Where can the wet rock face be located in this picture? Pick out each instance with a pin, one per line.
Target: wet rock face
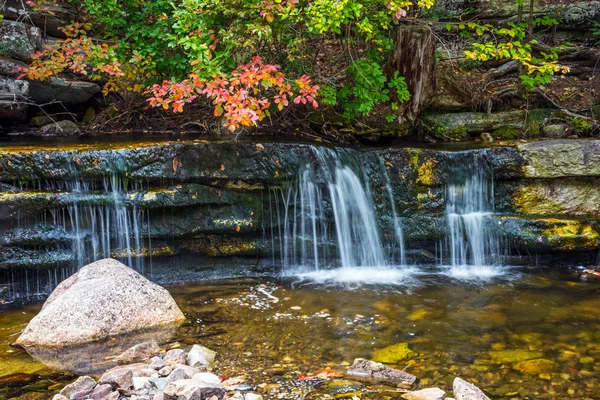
(101, 299)
(217, 202)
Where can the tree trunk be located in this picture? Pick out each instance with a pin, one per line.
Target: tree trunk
(414, 59)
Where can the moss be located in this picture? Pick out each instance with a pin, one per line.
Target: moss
(426, 173)
(513, 355)
(582, 127)
(506, 133)
(571, 235)
(394, 354)
(536, 367)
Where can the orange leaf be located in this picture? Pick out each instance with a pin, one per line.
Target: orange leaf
(176, 164)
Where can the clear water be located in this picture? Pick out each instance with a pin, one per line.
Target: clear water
(288, 332)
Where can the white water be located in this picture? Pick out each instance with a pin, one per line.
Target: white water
(329, 218)
(473, 248)
(354, 277)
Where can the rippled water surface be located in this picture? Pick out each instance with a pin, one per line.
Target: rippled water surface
(516, 333)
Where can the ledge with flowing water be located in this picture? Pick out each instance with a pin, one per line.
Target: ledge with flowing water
(222, 207)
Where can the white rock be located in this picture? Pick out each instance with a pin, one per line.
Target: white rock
(207, 377)
(102, 299)
(426, 394)
(175, 356)
(253, 396)
(200, 356)
(190, 389)
(189, 371)
(464, 390)
(140, 381)
(157, 363)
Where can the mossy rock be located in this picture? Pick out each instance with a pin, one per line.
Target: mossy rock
(513, 355)
(506, 133)
(536, 366)
(394, 354)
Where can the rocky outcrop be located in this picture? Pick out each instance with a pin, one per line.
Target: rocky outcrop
(218, 202)
(464, 390)
(67, 92)
(102, 299)
(49, 20)
(19, 40)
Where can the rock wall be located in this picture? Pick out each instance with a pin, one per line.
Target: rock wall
(204, 205)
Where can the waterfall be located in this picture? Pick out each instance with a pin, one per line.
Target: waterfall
(329, 216)
(470, 243)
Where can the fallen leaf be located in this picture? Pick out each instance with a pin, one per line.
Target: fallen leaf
(222, 167)
(259, 146)
(389, 164)
(237, 228)
(176, 164)
(47, 157)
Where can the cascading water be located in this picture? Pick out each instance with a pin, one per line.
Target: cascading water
(472, 247)
(329, 217)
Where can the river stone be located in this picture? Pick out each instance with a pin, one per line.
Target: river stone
(139, 352)
(157, 363)
(175, 356)
(59, 397)
(464, 390)
(536, 367)
(118, 378)
(62, 90)
(253, 396)
(60, 128)
(165, 371)
(82, 384)
(363, 369)
(176, 375)
(100, 392)
(200, 356)
(556, 131)
(192, 390)
(207, 377)
(394, 354)
(189, 371)
(426, 394)
(102, 299)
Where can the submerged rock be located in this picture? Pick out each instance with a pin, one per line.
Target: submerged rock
(394, 354)
(102, 299)
(139, 352)
(363, 369)
(464, 390)
(536, 367)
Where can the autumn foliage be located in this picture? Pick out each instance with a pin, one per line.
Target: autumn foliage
(243, 98)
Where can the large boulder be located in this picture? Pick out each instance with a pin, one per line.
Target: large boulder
(65, 91)
(19, 40)
(102, 299)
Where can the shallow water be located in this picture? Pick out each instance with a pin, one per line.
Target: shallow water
(485, 329)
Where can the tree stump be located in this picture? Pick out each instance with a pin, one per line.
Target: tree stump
(414, 59)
